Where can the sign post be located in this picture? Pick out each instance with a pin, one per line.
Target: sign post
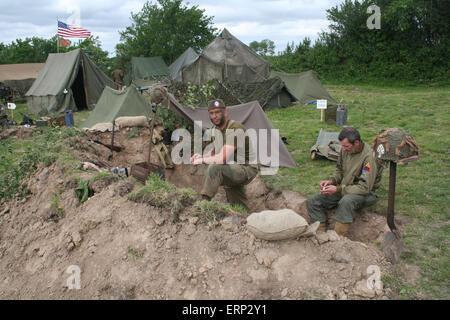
(322, 106)
(11, 106)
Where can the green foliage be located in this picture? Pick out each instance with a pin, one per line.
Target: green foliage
(210, 211)
(20, 158)
(165, 28)
(265, 47)
(37, 50)
(199, 95)
(135, 253)
(82, 191)
(171, 120)
(54, 204)
(160, 193)
(352, 52)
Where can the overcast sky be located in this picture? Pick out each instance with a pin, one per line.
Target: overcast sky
(282, 21)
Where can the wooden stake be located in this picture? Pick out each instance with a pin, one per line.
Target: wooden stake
(322, 112)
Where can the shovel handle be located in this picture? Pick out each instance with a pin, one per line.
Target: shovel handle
(152, 126)
(391, 198)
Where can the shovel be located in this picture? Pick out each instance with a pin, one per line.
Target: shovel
(141, 170)
(392, 245)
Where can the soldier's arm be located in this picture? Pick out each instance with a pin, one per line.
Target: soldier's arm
(365, 180)
(225, 153)
(336, 178)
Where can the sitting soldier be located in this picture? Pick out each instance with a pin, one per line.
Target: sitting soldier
(220, 172)
(351, 187)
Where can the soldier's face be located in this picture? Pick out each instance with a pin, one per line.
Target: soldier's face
(217, 116)
(350, 147)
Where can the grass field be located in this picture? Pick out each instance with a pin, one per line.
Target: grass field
(422, 190)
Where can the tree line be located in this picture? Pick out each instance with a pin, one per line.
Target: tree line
(412, 42)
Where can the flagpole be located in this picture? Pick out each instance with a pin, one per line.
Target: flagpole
(57, 36)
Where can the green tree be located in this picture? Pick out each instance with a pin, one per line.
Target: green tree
(264, 47)
(165, 28)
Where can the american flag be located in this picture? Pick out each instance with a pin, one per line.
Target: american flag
(70, 31)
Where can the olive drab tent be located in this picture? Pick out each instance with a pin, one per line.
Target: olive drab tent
(305, 86)
(20, 76)
(68, 81)
(146, 68)
(252, 116)
(226, 58)
(187, 58)
(113, 104)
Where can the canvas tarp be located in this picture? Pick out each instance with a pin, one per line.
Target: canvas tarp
(146, 68)
(20, 71)
(327, 145)
(271, 93)
(305, 86)
(226, 57)
(113, 104)
(188, 57)
(68, 81)
(20, 76)
(251, 115)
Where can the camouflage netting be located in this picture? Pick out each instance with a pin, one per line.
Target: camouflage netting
(395, 145)
(270, 94)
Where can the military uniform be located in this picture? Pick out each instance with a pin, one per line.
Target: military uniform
(232, 176)
(357, 175)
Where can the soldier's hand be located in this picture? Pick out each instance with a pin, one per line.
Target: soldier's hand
(324, 183)
(329, 189)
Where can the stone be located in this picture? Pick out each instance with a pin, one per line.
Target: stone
(341, 257)
(76, 239)
(227, 224)
(265, 256)
(361, 289)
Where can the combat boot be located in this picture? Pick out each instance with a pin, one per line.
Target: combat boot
(322, 227)
(341, 228)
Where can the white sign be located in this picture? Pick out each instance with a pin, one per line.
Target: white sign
(11, 106)
(321, 104)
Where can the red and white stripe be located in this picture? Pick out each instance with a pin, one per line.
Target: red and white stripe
(74, 32)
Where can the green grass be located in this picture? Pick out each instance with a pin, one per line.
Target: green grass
(422, 189)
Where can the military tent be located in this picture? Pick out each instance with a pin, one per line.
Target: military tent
(226, 58)
(251, 115)
(271, 93)
(20, 76)
(68, 81)
(187, 58)
(305, 86)
(145, 68)
(113, 104)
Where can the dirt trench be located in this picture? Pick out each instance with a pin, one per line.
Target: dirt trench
(128, 250)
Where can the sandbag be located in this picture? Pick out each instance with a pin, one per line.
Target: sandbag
(276, 224)
(138, 121)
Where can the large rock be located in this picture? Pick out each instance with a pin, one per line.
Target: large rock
(276, 224)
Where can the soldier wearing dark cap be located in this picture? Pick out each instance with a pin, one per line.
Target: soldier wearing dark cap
(231, 167)
(351, 187)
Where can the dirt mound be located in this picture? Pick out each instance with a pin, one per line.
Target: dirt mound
(131, 250)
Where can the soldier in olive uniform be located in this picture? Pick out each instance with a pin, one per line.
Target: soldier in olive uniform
(117, 76)
(351, 187)
(230, 167)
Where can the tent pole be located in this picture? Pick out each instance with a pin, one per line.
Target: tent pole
(84, 82)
